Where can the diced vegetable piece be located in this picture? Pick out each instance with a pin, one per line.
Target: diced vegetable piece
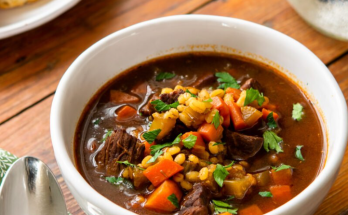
(117, 96)
(250, 115)
(125, 113)
(209, 133)
(199, 145)
(241, 100)
(271, 107)
(262, 178)
(281, 194)
(282, 177)
(239, 187)
(161, 171)
(221, 106)
(191, 118)
(236, 115)
(158, 200)
(251, 210)
(235, 93)
(159, 122)
(266, 112)
(147, 148)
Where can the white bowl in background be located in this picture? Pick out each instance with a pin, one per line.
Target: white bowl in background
(138, 43)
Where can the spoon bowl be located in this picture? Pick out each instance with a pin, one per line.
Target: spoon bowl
(30, 187)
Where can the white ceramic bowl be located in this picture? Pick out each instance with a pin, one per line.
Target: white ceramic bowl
(143, 41)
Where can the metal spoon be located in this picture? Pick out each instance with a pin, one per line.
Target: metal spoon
(30, 187)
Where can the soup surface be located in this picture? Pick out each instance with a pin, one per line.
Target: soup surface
(200, 133)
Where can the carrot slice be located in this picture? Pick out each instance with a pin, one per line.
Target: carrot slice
(282, 177)
(126, 113)
(251, 210)
(161, 171)
(147, 148)
(281, 194)
(117, 96)
(158, 200)
(235, 93)
(266, 112)
(209, 133)
(199, 145)
(236, 115)
(225, 213)
(221, 106)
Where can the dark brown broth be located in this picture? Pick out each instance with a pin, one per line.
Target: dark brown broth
(188, 68)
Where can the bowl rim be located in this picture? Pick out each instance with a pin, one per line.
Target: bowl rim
(70, 172)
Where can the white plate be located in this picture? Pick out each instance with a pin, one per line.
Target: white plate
(17, 20)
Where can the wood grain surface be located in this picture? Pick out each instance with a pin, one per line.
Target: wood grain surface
(32, 64)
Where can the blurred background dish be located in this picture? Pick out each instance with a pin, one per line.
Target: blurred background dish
(20, 19)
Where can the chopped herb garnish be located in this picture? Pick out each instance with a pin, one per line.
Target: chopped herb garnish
(271, 122)
(119, 180)
(108, 133)
(272, 141)
(208, 100)
(265, 194)
(130, 164)
(208, 162)
(190, 141)
(161, 106)
(298, 153)
(155, 148)
(140, 114)
(192, 95)
(229, 198)
(229, 165)
(172, 198)
(220, 143)
(221, 207)
(154, 158)
(96, 122)
(164, 75)
(220, 173)
(281, 167)
(226, 80)
(216, 120)
(297, 111)
(150, 136)
(252, 95)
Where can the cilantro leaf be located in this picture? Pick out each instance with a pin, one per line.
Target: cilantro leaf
(221, 143)
(226, 80)
(164, 75)
(192, 95)
(265, 194)
(108, 134)
(96, 121)
(177, 139)
(216, 120)
(150, 136)
(130, 164)
(220, 173)
(297, 111)
(155, 148)
(298, 153)
(252, 95)
(154, 158)
(190, 141)
(208, 100)
(174, 200)
(221, 207)
(120, 181)
(272, 141)
(281, 167)
(270, 121)
(229, 165)
(161, 106)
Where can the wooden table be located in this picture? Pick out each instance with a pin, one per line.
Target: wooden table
(32, 64)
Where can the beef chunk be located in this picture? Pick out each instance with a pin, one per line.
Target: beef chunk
(206, 80)
(251, 83)
(148, 109)
(240, 146)
(119, 146)
(172, 97)
(196, 202)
